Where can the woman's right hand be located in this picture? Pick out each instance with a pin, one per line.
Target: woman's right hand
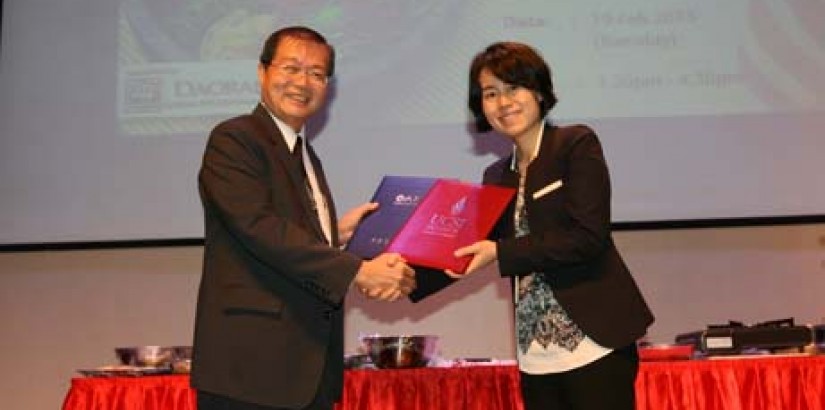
(483, 252)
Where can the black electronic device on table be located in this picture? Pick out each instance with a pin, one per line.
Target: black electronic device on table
(737, 338)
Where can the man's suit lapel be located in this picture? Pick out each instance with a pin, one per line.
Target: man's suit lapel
(293, 171)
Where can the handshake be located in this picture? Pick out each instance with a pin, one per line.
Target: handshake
(387, 277)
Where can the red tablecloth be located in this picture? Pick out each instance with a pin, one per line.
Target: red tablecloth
(778, 383)
(786, 383)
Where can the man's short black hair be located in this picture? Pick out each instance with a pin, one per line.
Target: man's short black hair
(299, 32)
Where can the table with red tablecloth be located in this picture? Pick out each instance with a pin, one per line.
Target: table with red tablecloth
(769, 383)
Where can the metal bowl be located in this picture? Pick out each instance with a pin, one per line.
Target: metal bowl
(146, 356)
(400, 352)
(182, 359)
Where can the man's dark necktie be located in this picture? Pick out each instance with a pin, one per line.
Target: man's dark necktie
(298, 155)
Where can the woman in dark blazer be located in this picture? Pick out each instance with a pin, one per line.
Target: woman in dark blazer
(578, 310)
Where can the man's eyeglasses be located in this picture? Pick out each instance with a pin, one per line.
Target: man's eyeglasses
(314, 74)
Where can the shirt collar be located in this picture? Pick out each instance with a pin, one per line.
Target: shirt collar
(289, 135)
(513, 164)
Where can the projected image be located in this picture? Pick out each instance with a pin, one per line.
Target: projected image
(184, 64)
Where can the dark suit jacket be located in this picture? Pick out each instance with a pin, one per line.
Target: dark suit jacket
(570, 238)
(269, 312)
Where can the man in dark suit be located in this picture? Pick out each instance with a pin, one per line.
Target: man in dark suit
(269, 320)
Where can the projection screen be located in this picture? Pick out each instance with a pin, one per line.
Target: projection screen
(706, 110)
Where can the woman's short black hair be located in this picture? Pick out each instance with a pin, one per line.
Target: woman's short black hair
(270, 48)
(516, 64)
